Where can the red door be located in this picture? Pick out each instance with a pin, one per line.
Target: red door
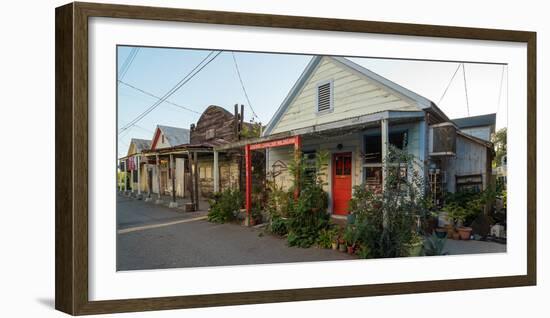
(341, 182)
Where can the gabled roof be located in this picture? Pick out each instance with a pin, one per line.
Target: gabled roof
(141, 144)
(476, 121)
(173, 135)
(422, 102)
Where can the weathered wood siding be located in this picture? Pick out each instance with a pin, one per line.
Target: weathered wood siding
(229, 175)
(471, 158)
(354, 95)
(214, 123)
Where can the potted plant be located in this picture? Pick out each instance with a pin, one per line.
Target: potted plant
(414, 246)
(350, 238)
(341, 244)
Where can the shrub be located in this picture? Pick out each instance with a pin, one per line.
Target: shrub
(326, 237)
(385, 222)
(225, 206)
(278, 226)
(308, 214)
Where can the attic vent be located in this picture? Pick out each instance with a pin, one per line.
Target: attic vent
(324, 97)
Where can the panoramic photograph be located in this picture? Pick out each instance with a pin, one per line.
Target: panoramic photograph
(231, 158)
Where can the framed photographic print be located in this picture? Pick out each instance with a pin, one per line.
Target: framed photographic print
(210, 158)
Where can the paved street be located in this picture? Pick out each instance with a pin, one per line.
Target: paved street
(152, 236)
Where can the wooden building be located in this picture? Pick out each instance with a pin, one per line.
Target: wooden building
(342, 108)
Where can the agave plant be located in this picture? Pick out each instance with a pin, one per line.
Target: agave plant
(434, 246)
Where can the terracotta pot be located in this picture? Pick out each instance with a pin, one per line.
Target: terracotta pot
(350, 250)
(455, 235)
(464, 232)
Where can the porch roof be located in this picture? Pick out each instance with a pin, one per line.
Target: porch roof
(345, 125)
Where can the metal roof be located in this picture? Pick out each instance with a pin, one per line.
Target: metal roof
(175, 135)
(141, 144)
(476, 121)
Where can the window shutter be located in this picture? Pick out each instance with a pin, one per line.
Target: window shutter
(324, 97)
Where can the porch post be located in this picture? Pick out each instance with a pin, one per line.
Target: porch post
(139, 177)
(297, 158)
(149, 181)
(159, 200)
(125, 186)
(248, 183)
(384, 133)
(216, 173)
(131, 179)
(196, 181)
(173, 204)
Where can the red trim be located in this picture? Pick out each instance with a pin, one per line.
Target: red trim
(274, 143)
(155, 139)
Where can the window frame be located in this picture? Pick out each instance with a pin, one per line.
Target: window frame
(331, 99)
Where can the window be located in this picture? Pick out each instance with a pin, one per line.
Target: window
(310, 170)
(324, 96)
(162, 138)
(373, 145)
(372, 163)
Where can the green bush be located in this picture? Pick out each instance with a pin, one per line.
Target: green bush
(278, 226)
(386, 222)
(225, 206)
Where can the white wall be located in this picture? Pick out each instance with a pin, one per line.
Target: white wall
(28, 278)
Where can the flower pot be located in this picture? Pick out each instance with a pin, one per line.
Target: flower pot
(414, 249)
(350, 250)
(441, 233)
(342, 248)
(334, 245)
(464, 232)
(455, 235)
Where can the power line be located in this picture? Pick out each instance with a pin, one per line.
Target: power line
(466, 89)
(128, 62)
(158, 98)
(242, 85)
(174, 89)
(449, 85)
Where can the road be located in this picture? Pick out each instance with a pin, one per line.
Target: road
(154, 237)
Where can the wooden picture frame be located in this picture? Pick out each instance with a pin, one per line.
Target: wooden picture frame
(71, 167)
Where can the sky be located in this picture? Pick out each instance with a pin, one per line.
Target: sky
(267, 79)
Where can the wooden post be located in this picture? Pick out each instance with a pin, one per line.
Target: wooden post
(196, 181)
(139, 176)
(159, 199)
(191, 179)
(385, 138)
(132, 179)
(173, 204)
(248, 170)
(216, 172)
(125, 175)
(149, 181)
(297, 159)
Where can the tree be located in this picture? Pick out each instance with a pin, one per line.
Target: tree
(499, 140)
